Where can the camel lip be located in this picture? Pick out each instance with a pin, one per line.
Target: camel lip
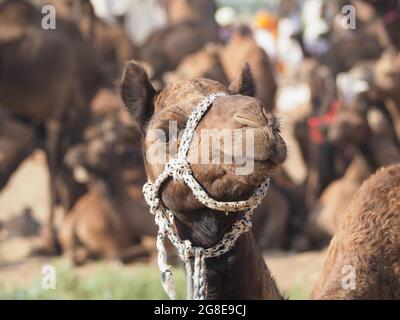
(272, 161)
(268, 164)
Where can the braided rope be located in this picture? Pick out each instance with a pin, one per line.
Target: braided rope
(180, 170)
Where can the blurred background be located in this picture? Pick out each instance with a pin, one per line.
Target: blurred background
(71, 169)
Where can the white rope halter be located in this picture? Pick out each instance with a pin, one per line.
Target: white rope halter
(180, 170)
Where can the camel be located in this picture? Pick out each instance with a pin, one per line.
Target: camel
(348, 46)
(326, 214)
(110, 44)
(199, 10)
(243, 48)
(360, 131)
(386, 73)
(166, 48)
(369, 132)
(111, 220)
(366, 244)
(386, 70)
(204, 63)
(226, 276)
(17, 141)
(221, 64)
(191, 26)
(310, 131)
(388, 11)
(55, 106)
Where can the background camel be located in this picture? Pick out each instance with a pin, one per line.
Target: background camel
(109, 42)
(364, 122)
(359, 133)
(384, 9)
(112, 219)
(56, 106)
(17, 141)
(204, 63)
(198, 10)
(310, 130)
(326, 214)
(243, 48)
(191, 26)
(223, 63)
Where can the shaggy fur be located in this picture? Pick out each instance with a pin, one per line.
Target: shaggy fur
(368, 239)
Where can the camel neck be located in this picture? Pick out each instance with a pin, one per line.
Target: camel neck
(239, 274)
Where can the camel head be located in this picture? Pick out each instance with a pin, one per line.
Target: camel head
(237, 112)
(387, 74)
(109, 145)
(357, 117)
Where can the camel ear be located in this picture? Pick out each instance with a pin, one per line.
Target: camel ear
(137, 93)
(244, 83)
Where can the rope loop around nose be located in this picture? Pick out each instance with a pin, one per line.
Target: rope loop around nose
(178, 169)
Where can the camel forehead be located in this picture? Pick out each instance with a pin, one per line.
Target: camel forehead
(187, 92)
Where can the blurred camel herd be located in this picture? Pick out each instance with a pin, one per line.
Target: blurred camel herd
(51, 85)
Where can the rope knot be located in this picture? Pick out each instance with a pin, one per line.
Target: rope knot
(187, 250)
(178, 169)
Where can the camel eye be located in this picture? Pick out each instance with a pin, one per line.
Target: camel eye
(163, 135)
(167, 132)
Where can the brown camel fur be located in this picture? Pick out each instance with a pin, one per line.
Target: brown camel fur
(17, 141)
(111, 45)
(386, 73)
(243, 48)
(241, 273)
(367, 237)
(392, 26)
(271, 218)
(167, 47)
(320, 156)
(325, 216)
(370, 132)
(112, 219)
(198, 10)
(204, 63)
(348, 46)
(55, 105)
(368, 240)
(191, 25)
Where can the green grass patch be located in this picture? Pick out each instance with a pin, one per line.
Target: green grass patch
(104, 281)
(141, 282)
(298, 292)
